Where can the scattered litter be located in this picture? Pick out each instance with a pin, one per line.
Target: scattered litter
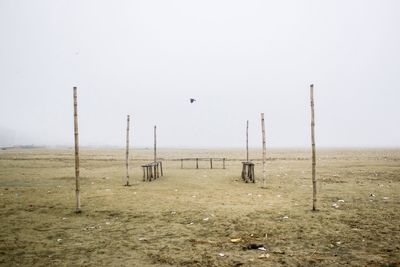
(262, 249)
(254, 246)
(266, 236)
(335, 205)
(285, 217)
(206, 219)
(108, 223)
(173, 212)
(385, 198)
(372, 195)
(264, 256)
(142, 239)
(236, 240)
(221, 254)
(59, 240)
(341, 200)
(64, 218)
(191, 223)
(338, 243)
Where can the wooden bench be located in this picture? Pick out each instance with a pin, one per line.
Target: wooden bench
(152, 171)
(248, 172)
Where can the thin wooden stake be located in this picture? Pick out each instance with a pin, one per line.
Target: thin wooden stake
(247, 141)
(314, 162)
(155, 143)
(127, 151)
(263, 150)
(77, 182)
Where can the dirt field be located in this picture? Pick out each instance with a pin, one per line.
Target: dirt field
(190, 217)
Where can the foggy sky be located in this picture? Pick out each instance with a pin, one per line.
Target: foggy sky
(237, 58)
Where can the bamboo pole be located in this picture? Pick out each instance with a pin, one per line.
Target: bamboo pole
(127, 151)
(77, 182)
(263, 150)
(247, 141)
(155, 143)
(314, 163)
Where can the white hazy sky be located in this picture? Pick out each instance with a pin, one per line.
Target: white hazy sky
(237, 58)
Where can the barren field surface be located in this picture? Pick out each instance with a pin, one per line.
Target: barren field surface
(200, 217)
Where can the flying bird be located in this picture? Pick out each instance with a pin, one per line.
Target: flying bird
(192, 100)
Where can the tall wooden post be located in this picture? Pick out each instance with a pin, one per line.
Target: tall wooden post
(127, 151)
(77, 182)
(247, 141)
(155, 143)
(314, 163)
(263, 150)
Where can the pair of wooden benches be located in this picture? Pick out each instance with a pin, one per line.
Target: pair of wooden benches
(152, 171)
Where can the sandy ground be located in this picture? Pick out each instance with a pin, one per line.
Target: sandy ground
(190, 217)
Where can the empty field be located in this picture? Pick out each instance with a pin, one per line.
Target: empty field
(190, 216)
